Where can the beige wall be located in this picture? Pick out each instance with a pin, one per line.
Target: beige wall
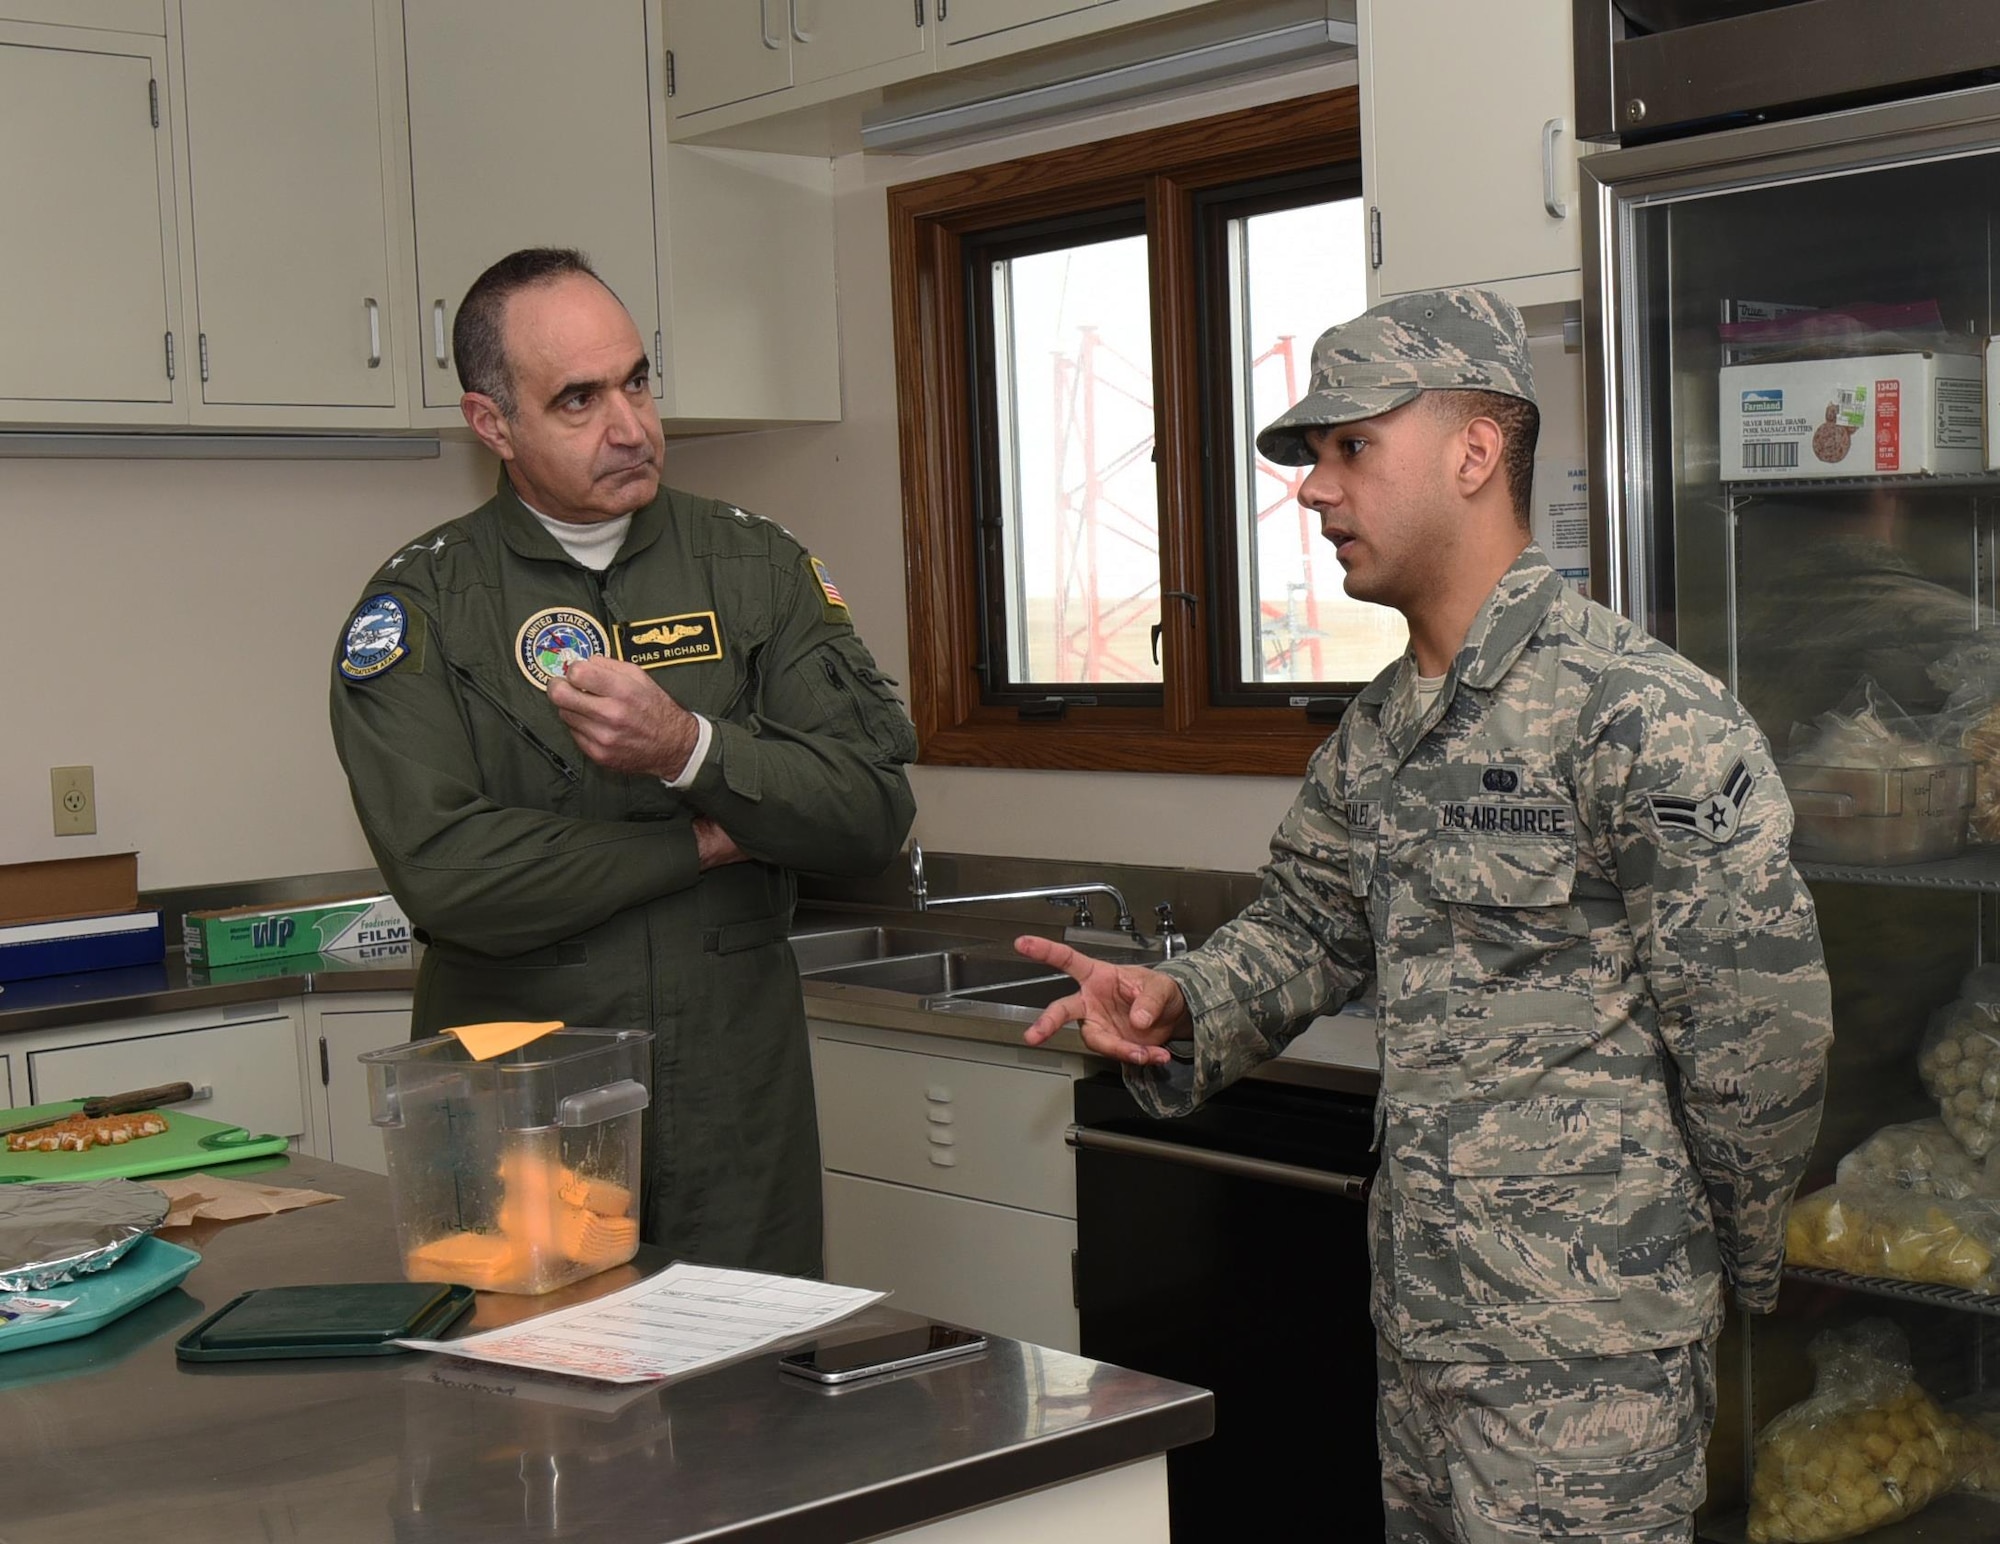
(838, 488)
(170, 623)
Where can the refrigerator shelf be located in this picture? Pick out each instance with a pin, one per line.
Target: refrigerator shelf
(1955, 1518)
(1940, 482)
(1928, 1293)
(1977, 868)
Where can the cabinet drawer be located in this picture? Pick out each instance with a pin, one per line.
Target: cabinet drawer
(253, 1068)
(969, 1128)
(991, 1267)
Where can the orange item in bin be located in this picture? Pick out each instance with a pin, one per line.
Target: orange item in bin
(598, 1242)
(482, 1260)
(605, 1197)
(483, 1042)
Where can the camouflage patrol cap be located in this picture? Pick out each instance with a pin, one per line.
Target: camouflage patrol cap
(1439, 340)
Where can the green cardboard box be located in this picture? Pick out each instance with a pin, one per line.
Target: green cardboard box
(243, 933)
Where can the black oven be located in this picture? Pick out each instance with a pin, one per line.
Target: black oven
(1229, 1249)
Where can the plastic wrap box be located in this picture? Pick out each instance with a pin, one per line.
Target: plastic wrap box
(243, 933)
(1880, 415)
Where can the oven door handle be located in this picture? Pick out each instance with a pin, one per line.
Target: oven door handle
(1349, 1187)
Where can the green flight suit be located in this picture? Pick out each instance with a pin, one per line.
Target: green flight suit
(546, 887)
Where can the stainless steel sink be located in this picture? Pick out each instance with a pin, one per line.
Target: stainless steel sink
(941, 974)
(1019, 994)
(820, 952)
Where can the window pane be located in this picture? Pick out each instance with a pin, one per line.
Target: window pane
(1080, 519)
(1294, 273)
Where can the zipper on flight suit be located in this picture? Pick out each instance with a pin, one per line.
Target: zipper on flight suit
(520, 725)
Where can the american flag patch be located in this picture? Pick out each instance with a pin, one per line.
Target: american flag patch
(1713, 815)
(826, 584)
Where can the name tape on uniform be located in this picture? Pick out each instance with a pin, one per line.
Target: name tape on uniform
(659, 642)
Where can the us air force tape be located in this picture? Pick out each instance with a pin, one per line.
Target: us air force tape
(381, 634)
(550, 641)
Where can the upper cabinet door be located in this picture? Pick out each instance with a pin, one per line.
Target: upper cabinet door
(838, 37)
(961, 21)
(86, 226)
(530, 125)
(727, 52)
(1468, 159)
(291, 243)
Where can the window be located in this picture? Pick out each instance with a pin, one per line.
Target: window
(1103, 572)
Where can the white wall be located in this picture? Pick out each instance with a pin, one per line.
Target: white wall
(838, 488)
(172, 623)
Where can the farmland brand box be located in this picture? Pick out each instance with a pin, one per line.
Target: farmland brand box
(30, 950)
(58, 889)
(243, 933)
(1882, 415)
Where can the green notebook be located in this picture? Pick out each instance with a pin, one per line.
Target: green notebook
(363, 1318)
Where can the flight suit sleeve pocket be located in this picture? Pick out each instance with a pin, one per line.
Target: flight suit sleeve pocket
(857, 693)
(1534, 1188)
(1515, 874)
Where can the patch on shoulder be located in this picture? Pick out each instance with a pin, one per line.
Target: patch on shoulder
(380, 636)
(835, 606)
(1714, 816)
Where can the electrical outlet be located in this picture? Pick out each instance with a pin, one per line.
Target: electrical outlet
(73, 796)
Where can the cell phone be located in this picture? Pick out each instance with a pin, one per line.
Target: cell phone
(852, 1359)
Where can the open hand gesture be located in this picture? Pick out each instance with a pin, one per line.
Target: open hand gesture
(1126, 1012)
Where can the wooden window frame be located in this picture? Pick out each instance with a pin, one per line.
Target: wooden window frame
(928, 221)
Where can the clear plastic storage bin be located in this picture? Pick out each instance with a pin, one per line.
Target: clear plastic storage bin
(520, 1173)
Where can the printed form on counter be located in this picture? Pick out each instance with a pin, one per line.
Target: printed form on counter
(685, 1319)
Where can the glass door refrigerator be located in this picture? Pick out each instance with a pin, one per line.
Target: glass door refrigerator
(1793, 458)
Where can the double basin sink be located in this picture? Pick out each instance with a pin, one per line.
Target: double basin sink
(948, 972)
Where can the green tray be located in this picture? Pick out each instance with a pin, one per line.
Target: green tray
(147, 1269)
(189, 1142)
(364, 1318)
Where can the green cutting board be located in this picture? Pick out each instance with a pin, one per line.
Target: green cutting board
(189, 1142)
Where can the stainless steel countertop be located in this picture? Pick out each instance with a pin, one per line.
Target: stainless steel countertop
(109, 1436)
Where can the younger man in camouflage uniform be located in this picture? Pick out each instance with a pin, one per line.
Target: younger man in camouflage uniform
(1557, 852)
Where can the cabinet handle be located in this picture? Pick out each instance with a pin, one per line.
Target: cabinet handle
(374, 334)
(1552, 200)
(201, 345)
(798, 33)
(920, 12)
(1349, 1187)
(437, 332)
(941, 4)
(772, 41)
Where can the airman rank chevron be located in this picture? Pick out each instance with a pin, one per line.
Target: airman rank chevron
(1713, 815)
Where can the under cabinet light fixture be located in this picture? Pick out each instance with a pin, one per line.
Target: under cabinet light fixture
(95, 446)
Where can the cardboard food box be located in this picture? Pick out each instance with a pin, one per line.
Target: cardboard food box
(1882, 415)
(29, 950)
(59, 889)
(241, 933)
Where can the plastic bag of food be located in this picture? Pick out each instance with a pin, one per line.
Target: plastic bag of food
(1959, 1061)
(1876, 1230)
(1870, 729)
(1979, 1443)
(1923, 1156)
(1868, 1447)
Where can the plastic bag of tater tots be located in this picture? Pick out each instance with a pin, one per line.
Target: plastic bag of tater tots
(1960, 1061)
(1867, 1448)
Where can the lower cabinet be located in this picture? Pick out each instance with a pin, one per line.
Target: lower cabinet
(6, 1080)
(339, 1028)
(244, 1064)
(947, 1178)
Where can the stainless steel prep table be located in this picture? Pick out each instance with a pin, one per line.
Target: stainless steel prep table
(111, 1435)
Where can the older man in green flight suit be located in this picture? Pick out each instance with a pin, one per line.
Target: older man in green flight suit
(593, 729)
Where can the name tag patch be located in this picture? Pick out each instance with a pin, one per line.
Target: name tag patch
(1364, 814)
(1505, 819)
(661, 641)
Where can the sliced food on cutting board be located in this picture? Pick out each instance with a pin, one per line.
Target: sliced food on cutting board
(79, 1133)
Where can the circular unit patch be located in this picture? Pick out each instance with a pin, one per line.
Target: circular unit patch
(551, 641)
(376, 638)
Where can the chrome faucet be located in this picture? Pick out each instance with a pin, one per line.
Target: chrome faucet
(1081, 928)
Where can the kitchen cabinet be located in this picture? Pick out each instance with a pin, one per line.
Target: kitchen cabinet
(730, 53)
(1468, 161)
(244, 1063)
(966, 21)
(530, 125)
(289, 241)
(91, 308)
(947, 1177)
(339, 1027)
(7, 1080)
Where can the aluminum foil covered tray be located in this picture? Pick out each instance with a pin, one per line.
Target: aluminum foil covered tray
(54, 1233)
